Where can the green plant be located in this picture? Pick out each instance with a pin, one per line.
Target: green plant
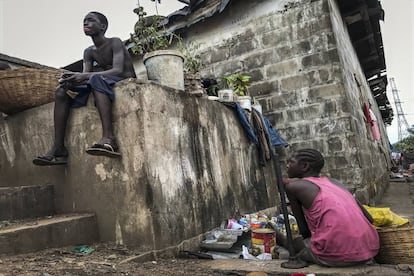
(192, 58)
(149, 35)
(405, 144)
(239, 83)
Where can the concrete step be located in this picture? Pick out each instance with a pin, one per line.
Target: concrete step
(26, 202)
(57, 231)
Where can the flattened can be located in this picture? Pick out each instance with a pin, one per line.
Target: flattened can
(263, 241)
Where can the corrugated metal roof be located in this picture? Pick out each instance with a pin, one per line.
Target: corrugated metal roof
(362, 18)
(22, 62)
(197, 11)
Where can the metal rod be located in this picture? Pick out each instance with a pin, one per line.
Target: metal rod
(293, 262)
(281, 189)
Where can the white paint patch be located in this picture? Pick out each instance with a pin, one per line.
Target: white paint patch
(137, 157)
(7, 144)
(82, 134)
(125, 177)
(101, 172)
(167, 170)
(187, 169)
(118, 234)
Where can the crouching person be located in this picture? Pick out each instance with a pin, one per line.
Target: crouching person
(336, 231)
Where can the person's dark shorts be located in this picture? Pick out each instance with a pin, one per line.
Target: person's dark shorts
(99, 83)
(306, 254)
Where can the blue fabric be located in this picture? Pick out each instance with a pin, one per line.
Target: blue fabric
(246, 124)
(274, 138)
(98, 83)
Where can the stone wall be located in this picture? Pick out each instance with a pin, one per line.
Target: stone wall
(308, 79)
(369, 158)
(186, 165)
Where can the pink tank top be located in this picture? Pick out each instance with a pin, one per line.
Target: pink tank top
(340, 231)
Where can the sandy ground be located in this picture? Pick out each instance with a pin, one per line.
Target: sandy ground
(109, 259)
(105, 259)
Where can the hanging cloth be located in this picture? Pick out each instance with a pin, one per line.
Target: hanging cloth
(372, 120)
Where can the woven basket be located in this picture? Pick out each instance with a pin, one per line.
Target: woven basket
(24, 88)
(397, 245)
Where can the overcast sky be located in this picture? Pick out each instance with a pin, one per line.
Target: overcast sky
(398, 36)
(50, 32)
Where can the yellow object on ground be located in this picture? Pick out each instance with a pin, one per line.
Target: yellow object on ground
(385, 217)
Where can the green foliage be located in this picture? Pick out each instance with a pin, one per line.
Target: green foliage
(192, 58)
(239, 83)
(405, 144)
(149, 35)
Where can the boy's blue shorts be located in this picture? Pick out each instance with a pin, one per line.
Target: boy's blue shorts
(103, 84)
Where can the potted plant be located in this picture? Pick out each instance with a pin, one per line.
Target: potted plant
(239, 84)
(151, 39)
(192, 63)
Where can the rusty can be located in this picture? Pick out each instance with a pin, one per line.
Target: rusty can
(263, 241)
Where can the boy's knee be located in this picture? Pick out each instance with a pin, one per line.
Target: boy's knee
(60, 94)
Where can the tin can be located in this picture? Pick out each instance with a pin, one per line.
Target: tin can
(225, 95)
(263, 241)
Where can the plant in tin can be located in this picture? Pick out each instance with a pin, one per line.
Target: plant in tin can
(192, 58)
(149, 34)
(239, 83)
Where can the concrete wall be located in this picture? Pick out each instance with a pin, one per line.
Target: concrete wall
(187, 165)
(365, 153)
(304, 73)
(186, 162)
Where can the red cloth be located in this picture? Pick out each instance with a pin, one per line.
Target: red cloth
(372, 120)
(367, 114)
(340, 231)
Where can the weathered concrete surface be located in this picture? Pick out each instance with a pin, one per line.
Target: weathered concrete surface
(186, 166)
(134, 262)
(49, 233)
(240, 267)
(26, 202)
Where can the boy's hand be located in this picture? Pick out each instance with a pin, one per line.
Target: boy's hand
(73, 78)
(63, 81)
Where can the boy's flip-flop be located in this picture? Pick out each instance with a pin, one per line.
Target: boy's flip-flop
(103, 150)
(49, 160)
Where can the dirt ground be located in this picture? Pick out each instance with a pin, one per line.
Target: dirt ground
(109, 259)
(105, 259)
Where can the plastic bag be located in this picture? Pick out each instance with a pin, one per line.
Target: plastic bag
(385, 217)
(248, 256)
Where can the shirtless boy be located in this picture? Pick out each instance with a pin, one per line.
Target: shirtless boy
(114, 64)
